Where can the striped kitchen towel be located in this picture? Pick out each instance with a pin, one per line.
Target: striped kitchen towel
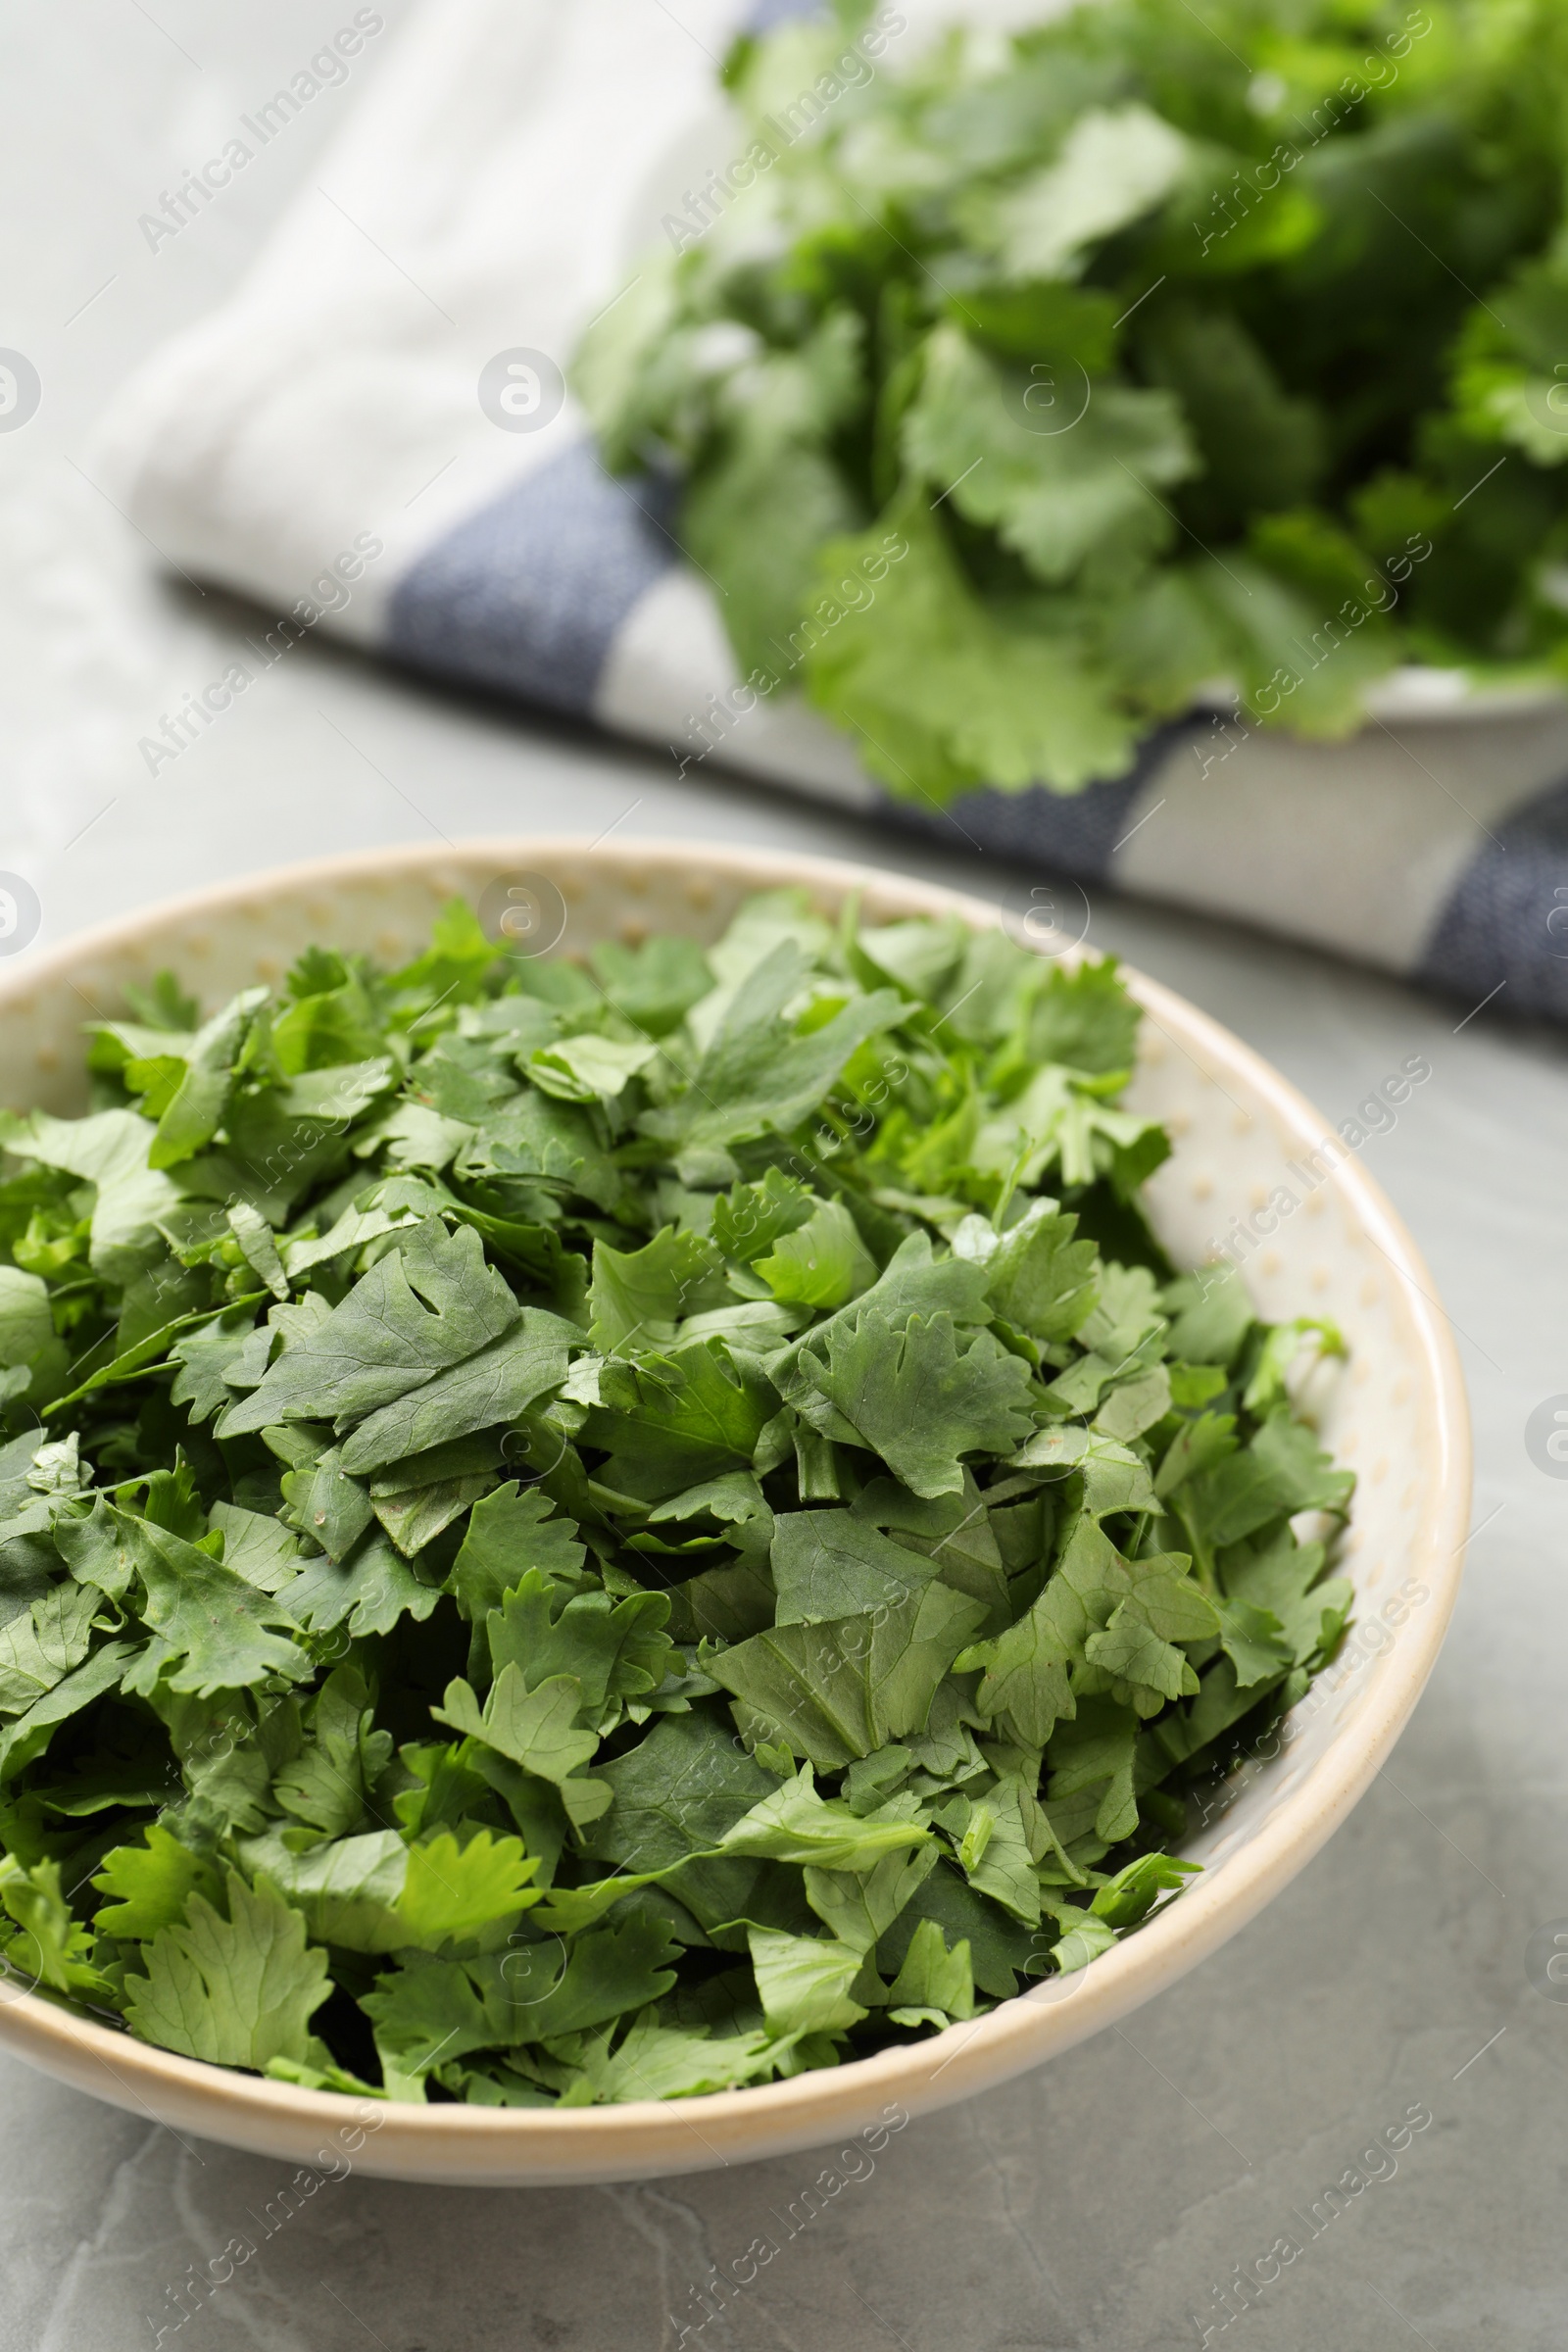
(373, 436)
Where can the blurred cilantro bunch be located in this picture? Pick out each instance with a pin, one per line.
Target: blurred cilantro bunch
(1020, 388)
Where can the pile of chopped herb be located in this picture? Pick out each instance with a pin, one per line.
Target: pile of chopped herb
(608, 1530)
(1020, 388)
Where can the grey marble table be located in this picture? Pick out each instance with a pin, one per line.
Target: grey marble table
(1099, 2204)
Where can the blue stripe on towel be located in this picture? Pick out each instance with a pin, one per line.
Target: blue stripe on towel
(764, 15)
(1069, 834)
(1506, 918)
(528, 595)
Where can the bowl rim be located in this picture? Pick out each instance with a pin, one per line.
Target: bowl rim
(1436, 693)
(457, 2141)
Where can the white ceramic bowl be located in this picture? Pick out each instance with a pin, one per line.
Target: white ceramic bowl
(1396, 1413)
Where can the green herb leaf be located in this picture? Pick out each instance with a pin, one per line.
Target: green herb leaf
(920, 1398)
(424, 1306)
(236, 1991)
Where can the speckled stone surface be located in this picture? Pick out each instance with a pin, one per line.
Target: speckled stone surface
(1096, 2206)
